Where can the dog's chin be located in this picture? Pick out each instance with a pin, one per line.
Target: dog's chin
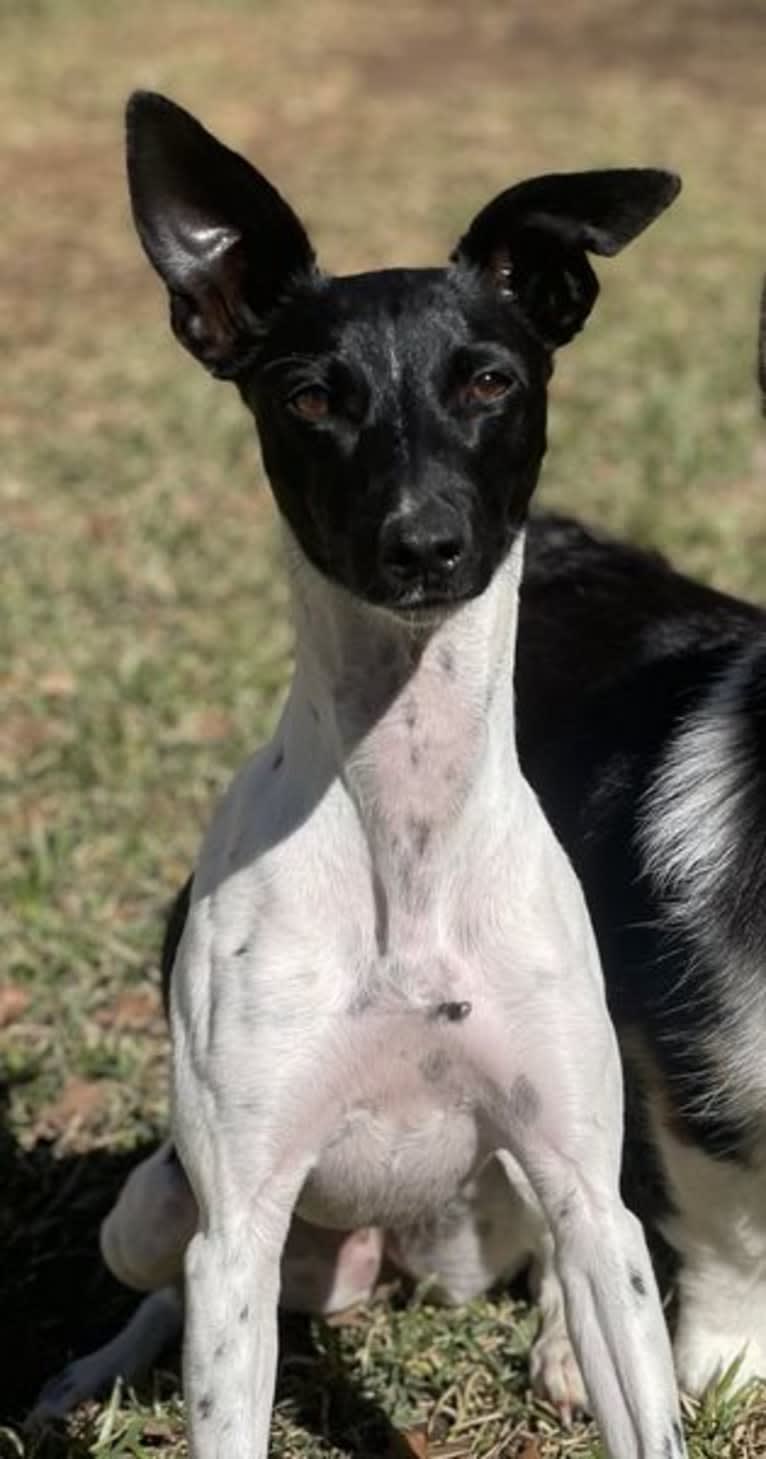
(421, 606)
(421, 603)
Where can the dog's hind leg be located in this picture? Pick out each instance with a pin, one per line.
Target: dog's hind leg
(553, 1367)
(326, 1271)
(143, 1241)
(154, 1325)
(489, 1233)
(145, 1235)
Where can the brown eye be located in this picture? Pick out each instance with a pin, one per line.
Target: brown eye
(311, 405)
(487, 387)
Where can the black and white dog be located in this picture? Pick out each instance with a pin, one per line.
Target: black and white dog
(652, 770)
(387, 997)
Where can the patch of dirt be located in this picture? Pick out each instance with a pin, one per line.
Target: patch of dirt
(14, 1001)
(134, 1010)
(80, 1109)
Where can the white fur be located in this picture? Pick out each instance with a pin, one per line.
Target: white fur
(380, 860)
(691, 838)
(697, 790)
(718, 1228)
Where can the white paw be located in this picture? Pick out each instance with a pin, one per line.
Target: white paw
(555, 1375)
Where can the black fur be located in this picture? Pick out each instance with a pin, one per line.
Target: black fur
(616, 652)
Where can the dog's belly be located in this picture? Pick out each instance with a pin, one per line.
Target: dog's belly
(407, 1130)
(391, 1167)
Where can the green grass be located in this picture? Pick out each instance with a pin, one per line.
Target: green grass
(143, 642)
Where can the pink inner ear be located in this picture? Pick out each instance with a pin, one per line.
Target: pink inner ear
(207, 313)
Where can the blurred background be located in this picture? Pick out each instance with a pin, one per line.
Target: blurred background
(143, 640)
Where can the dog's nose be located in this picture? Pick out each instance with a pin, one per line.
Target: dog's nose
(421, 546)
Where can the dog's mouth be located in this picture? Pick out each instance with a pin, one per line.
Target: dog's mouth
(421, 602)
(424, 598)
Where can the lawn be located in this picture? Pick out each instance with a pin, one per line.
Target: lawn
(143, 639)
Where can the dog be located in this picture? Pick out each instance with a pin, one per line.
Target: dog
(651, 770)
(387, 1006)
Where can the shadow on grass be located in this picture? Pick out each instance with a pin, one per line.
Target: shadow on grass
(57, 1300)
(322, 1398)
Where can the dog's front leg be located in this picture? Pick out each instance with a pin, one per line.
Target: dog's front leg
(240, 1126)
(566, 1133)
(232, 1265)
(230, 1349)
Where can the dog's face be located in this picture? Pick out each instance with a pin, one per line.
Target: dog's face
(402, 423)
(401, 413)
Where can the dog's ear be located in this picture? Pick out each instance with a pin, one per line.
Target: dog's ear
(532, 241)
(224, 241)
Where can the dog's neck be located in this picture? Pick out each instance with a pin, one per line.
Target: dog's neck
(414, 718)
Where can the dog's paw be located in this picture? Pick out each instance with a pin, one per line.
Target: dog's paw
(555, 1375)
(60, 1395)
(703, 1358)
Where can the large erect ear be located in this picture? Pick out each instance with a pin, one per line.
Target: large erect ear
(532, 240)
(224, 241)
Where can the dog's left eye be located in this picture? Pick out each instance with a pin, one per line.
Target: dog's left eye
(487, 387)
(312, 404)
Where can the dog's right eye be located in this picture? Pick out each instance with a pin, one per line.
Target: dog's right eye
(312, 404)
(487, 387)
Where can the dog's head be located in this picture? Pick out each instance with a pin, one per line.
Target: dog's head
(401, 413)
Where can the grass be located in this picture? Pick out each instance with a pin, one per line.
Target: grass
(143, 644)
